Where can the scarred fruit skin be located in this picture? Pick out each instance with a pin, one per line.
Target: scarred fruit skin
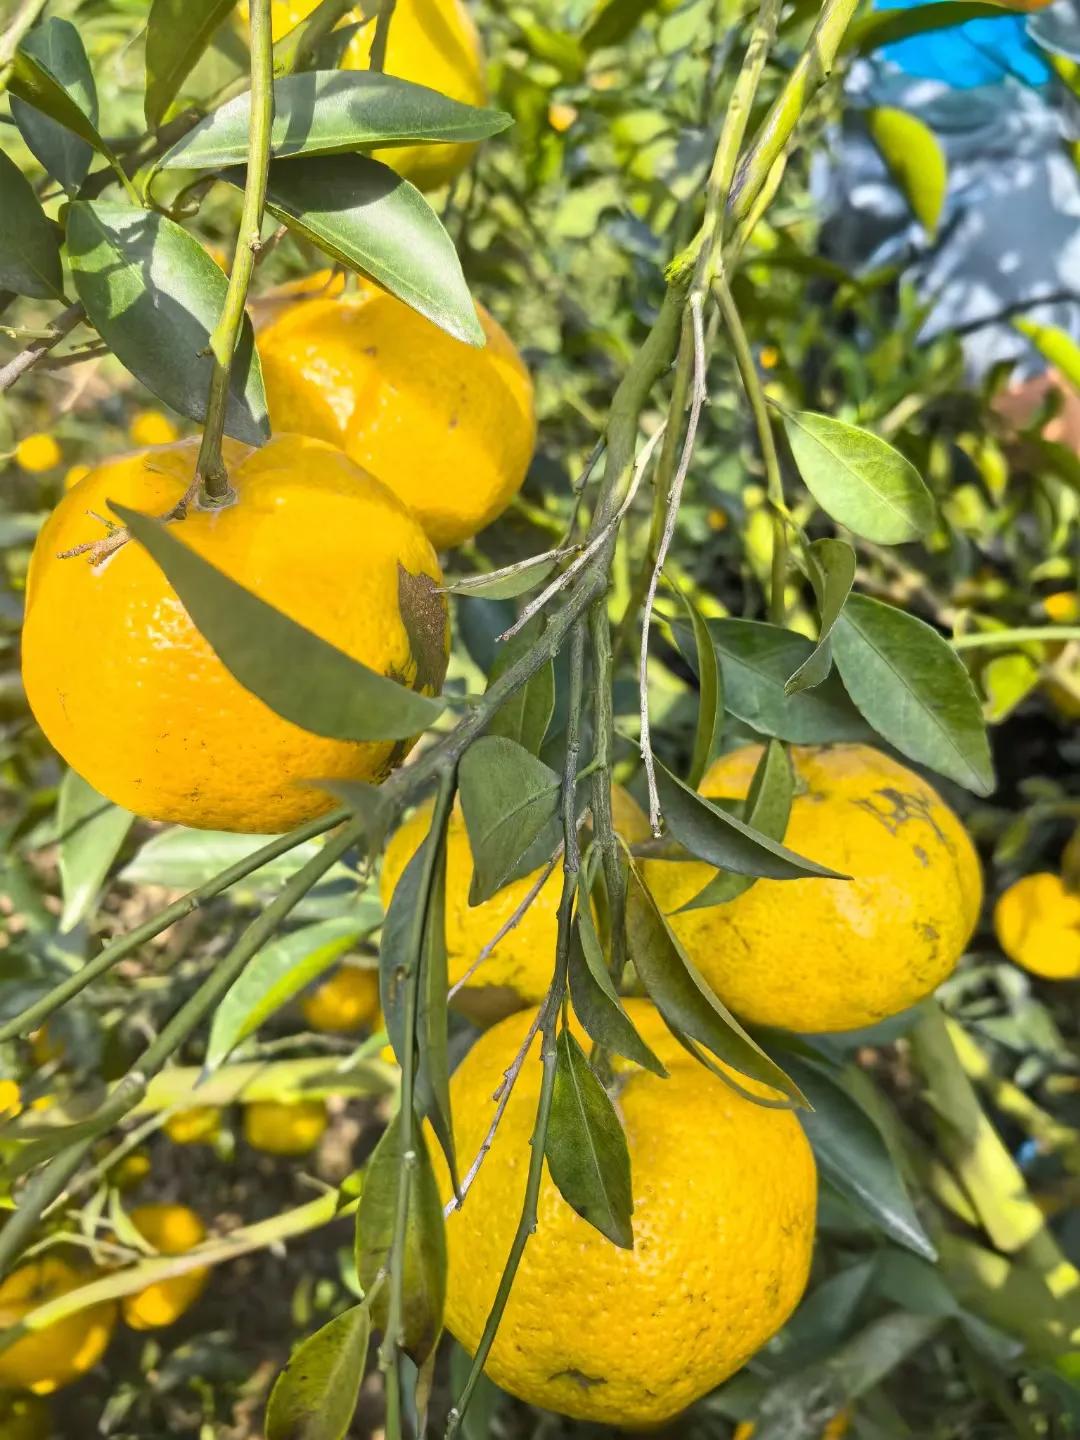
(279, 1128)
(134, 698)
(346, 1002)
(448, 427)
(1037, 922)
(522, 960)
(46, 1360)
(724, 1198)
(828, 955)
(172, 1230)
(430, 42)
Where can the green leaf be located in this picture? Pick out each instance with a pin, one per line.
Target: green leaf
(424, 1260)
(859, 479)
(768, 806)
(505, 584)
(710, 716)
(526, 714)
(914, 690)
(29, 241)
(91, 832)
(155, 295)
(177, 33)
(314, 1397)
(586, 1148)
(916, 160)
(509, 799)
(595, 999)
(277, 974)
(184, 859)
(885, 27)
(727, 842)
(329, 112)
(432, 1020)
(612, 21)
(1055, 345)
(854, 1158)
(298, 675)
(831, 567)
(686, 1003)
(58, 47)
(365, 217)
(757, 660)
(33, 81)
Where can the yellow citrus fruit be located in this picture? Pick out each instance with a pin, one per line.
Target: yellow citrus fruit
(135, 699)
(1037, 921)
(24, 1417)
(835, 1429)
(36, 453)
(171, 1230)
(768, 357)
(1063, 607)
(449, 427)
(522, 961)
(430, 42)
(130, 1170)
(45, 1360)
(280, 1128)
(151, 427)
(348, 1001)
(200, 1125)
(724, 1195)
(561, 116)
(10, 1099)
(821, 955)
(74, 474)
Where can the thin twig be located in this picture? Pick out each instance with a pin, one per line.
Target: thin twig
(697, 397)
(508, 925)
(26, 359)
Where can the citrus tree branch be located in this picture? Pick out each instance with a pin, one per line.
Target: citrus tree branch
(19, 365)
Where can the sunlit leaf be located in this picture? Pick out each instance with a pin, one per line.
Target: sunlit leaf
(915, 158)
(57, 46)
(509, 799)
(33, 81)
(831, 567)
(501, 585)
(1055, 345)
(177, 33)
(91, 832)
(314, 1397)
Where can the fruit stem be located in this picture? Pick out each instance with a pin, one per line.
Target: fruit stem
(211, 471)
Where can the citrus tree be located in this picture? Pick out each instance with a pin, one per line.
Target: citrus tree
(530, 692)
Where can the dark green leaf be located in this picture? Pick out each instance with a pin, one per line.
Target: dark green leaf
(424, 1260)
(526, 714)
(612, 21)
(854, 1157)
(509, 799)
(586, 1149)
(277, 974)
(364, 216)
(686, 1003)
(831, 567)
(726, 841)
(768, 806)
(32, 81)
(329, 112)
(595, 999)
(155, 295)
(300, 676)
(914, 690)
(501, 585)
(177, 33)
(314, 1397)
(916, 159)
(859, 479)
(29, 242)
(58, 47)
(710, 716)
(433, 1065)
(757, 660)
(91, 831)
(885, 27)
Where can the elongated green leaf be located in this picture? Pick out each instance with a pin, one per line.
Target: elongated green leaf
(424, 1258)
(914, 690)
(724, 840)
(501, 585)
(768, 806)
(314, 1397)
(586, 1149)
(686, 1003)
(155, 295)
(433, 1063)
(595, 999)
(301, 677)
(1055, 344)
(29, 241)
(854, 1157)
(58, 47)
(916, 159)
(831, 565)
(329, 112)
(885, 27)
(859, 479)
(710, 716)
(364, 216)
(177, 33)
(526, 715)
(33, 81)
(508, 798)
(183, 859)
(612, 20)
(757, 660)
(92, 831)
(276, 975)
